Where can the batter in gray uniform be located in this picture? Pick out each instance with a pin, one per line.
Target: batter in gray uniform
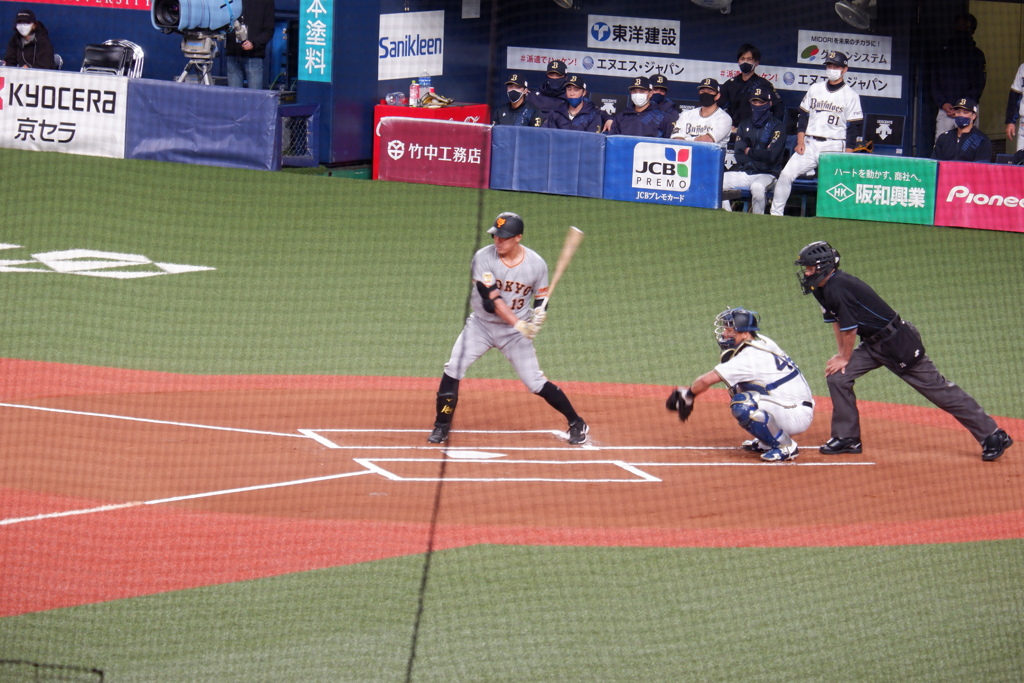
(507, 276)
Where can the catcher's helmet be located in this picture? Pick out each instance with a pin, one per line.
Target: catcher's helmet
(823, 258)
(739, 319)
(507, 225)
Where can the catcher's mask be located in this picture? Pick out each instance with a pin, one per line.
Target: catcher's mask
(823, 258)
(507, 225)
(738, 319)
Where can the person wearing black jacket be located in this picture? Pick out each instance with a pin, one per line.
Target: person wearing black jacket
(577, 112)
(552, 90)
(854, 309)
(760, 143)
(516, 111)
(30, 46)
(245, 49)
(736, 91)
(965, 142)
(959, 71)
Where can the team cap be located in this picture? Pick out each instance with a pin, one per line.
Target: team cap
(835, 57)
(709, 83)
(659, 81)
(761, 95)
(556, 67)
(576, 80)
(25, 16)
(516, 79)
(640, 82)
(966, 103)
(507, 225)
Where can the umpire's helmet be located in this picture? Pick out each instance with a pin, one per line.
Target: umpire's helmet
(507, 225)
(823, 257)
(739, 319)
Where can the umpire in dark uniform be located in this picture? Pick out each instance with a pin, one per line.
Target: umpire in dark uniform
(853, 309)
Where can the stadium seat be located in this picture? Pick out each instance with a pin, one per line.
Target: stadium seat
(115, 58)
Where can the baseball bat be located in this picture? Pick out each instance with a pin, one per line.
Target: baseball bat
(572, 242)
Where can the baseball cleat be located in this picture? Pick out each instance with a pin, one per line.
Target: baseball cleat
(755, 446)
(578, 432)
(781, 454)
(836, 446)
(994, 445)
(440, 433)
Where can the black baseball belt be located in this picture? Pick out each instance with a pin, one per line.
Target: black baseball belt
(885, 332)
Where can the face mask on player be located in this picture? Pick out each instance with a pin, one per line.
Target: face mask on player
(706, 99)
(514, 96)
(574, 101)
(962, 121)
(760, 113)
(746, 67)
(834, 74)
(657, 98)
(24, 29)
(554, 86)
(639, 98)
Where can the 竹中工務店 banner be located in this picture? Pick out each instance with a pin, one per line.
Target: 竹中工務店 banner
(54, 111)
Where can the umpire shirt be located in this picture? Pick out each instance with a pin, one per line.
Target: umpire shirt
(850, 302)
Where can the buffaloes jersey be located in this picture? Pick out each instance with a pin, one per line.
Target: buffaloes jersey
(829, 113)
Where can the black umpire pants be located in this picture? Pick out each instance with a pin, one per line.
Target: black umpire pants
(923, 376)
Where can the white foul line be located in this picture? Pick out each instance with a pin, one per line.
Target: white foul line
(151, 421)
(178, 499)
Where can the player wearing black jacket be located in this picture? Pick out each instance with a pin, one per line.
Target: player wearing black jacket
(760, 143)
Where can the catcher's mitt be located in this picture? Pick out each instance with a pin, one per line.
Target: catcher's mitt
(681, 400)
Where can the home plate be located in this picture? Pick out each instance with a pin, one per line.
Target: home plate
(473, 455)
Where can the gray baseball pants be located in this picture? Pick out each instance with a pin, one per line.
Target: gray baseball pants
(924, 377)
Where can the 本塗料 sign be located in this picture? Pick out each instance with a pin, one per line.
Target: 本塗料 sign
(51, 111)
(663, 171)
(987, 196)
(877, 188)
(409, 44)
(316, 38)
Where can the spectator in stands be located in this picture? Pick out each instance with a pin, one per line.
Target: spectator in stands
(246, 48)
(659, 96)
(577, 112)
(958, 71)
(641, 117)
(965, 142)
(516, 111)
(30, 46)
(736, 91)
(1015, 110)
(706, 123)
(551, 92)
(760, 142)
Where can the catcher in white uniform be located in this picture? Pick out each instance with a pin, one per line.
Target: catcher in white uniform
(770, 396)
(830, 120)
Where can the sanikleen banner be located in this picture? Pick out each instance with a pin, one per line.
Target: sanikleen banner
(657, 171)
(410, 43)
(877, 188)
(987, 196)
(56, 111)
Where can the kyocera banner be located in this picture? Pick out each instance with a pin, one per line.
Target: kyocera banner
(434, 152)
(409, 44)
(663, 171)
(987, 196)
(55, 111)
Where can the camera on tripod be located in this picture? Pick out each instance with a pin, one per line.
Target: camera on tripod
(202, 24)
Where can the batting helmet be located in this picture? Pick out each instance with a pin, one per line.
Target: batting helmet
(738, 319)
(507, 225)
(823, 258)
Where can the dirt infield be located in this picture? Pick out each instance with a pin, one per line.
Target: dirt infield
(120, 483)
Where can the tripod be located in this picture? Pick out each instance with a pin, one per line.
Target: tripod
(201, 49)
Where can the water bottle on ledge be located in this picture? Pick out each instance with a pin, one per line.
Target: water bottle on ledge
(425, 84)
(414, 94)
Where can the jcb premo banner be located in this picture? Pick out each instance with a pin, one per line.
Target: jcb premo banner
(877, 188)
(986, 196)
(660, 171)
(57, 111)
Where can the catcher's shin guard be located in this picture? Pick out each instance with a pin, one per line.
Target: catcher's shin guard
(757, 422)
